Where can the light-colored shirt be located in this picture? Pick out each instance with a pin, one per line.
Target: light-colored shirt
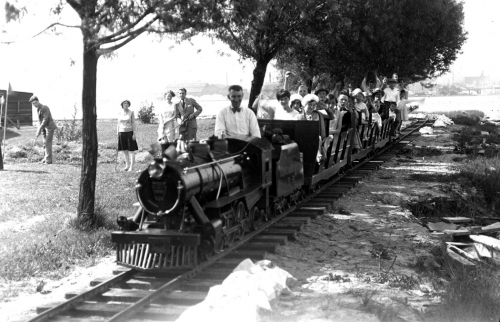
(281, 114)
(166, 117)
(125, 122)
(241, 125)
(361, 107)
(306, 117)
(391, 95)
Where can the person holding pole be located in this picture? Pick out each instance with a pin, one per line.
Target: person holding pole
(47, 126)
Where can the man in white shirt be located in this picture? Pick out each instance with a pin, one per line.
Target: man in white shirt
(236, 121)
(391, 96)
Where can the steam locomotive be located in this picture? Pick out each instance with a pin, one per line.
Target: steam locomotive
(199, 198)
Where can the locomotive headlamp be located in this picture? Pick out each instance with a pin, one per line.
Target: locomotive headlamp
(155, 169)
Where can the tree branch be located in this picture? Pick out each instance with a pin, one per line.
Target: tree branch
(274, 49)
(76, 5)
(41, 32)
(109, 38)
(130, 36)
(56, 24)
(236, 39)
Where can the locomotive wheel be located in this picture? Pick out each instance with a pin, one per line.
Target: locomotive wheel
(255, 218)
(229, 239)
(206, 248)
(240, 214)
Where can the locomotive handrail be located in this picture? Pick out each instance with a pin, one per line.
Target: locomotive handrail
(210, 163)
(166, 212)
(179, 188)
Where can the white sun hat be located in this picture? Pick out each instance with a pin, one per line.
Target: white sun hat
(308, 98)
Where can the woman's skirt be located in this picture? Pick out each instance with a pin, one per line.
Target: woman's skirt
(126, 143)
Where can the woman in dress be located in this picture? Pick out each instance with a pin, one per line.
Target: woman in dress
(166, 118)
(126, 135)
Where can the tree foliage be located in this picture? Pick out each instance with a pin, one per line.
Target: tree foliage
(417, 39)
(259, 29)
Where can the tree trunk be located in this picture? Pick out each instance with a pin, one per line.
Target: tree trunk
(86, 199)
(259, 74)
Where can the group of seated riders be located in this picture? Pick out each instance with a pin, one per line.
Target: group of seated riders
(344, 111)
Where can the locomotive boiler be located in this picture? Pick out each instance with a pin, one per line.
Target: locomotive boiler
(196, 203)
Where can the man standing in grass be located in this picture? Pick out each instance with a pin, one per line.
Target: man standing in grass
(46, 126)
(187, 110)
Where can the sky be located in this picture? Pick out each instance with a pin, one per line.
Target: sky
(50, 65)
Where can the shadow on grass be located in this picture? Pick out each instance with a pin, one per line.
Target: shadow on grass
(9, 134)
(27, 171)
(432, 177)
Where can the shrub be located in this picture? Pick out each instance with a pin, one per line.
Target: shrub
(470, 296)
(146, 114)
(465, 120)
(484, 174)
(69, 131)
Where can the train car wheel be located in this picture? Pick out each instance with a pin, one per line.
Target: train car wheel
(285, 205)
(299, 196)
(276, 209)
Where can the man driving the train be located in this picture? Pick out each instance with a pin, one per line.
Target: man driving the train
(236, 121)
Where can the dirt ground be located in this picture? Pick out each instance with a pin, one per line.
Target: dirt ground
(355, 264)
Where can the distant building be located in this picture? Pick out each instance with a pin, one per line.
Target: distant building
(213, 89)
(200, 89)
(193, 89)
(477, 81)
(19, 110)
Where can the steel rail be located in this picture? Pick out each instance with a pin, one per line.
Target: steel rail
(104, 286)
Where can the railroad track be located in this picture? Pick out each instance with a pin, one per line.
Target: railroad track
(164, 296)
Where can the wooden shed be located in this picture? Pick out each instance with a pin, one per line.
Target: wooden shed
(19, 110)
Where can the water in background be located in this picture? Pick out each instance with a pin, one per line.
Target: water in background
(488, 104)
(212, 104)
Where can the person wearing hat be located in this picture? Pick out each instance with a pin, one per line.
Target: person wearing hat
(47, 126)
(360, 106)
(323, 103)
(296, 102)
(374, 107)
(125, 130)
(391, 96)
(286, 112)
(309, 102)
(187, 109)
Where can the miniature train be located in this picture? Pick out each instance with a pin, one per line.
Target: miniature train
(194, 204)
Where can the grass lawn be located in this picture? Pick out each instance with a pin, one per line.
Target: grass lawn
(38, 203)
